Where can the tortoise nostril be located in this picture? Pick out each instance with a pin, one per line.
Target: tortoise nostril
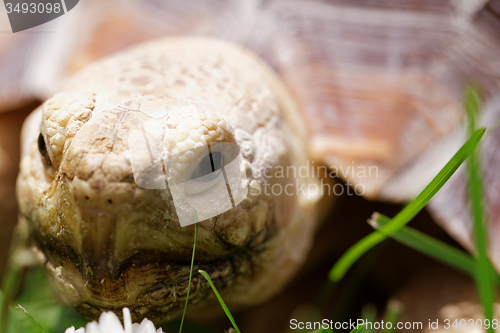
(41, 144)
(110, 201)
(42, 148)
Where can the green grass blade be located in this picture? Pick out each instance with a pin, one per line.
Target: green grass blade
(483, 274)
(4, 314)
(31, 319)
(324, 294)
(432, 247)
(10, 286)
(472, 105)
(221, 301)
(191, 270)
(356, 251)
(392, 315)
(359, 329)
(345, 298)
(11, 282)
(369, 315)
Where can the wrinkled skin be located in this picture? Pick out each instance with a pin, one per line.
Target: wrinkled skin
(109, 243)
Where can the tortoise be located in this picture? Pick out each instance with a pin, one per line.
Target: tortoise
(348, 85)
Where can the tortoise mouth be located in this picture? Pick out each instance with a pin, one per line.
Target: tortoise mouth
(156, 290)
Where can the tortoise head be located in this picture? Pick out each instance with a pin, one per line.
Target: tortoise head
(110, 184)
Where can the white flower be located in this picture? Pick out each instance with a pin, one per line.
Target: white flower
(109, 323)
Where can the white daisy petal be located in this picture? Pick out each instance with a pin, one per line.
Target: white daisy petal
(127, 320)
(146, 326)
(93, 327)
(109, 323)
(70, 330)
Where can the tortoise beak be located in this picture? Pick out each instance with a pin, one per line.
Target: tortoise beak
(97, 242)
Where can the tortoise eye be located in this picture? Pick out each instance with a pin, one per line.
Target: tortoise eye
(43, 149)
(210, 165)
(207, 174)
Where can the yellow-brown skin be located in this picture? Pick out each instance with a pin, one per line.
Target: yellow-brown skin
(109, 243)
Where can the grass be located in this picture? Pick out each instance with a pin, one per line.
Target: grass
(33, 321)
(221, 301)
(11, 284)
(191, 270)
(369, 314)
(484, 269)
(480, 268)
(207, 277)
(429, 246)
(392, 315)
(412, 209)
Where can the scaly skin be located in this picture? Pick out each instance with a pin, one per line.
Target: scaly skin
(109, 243)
